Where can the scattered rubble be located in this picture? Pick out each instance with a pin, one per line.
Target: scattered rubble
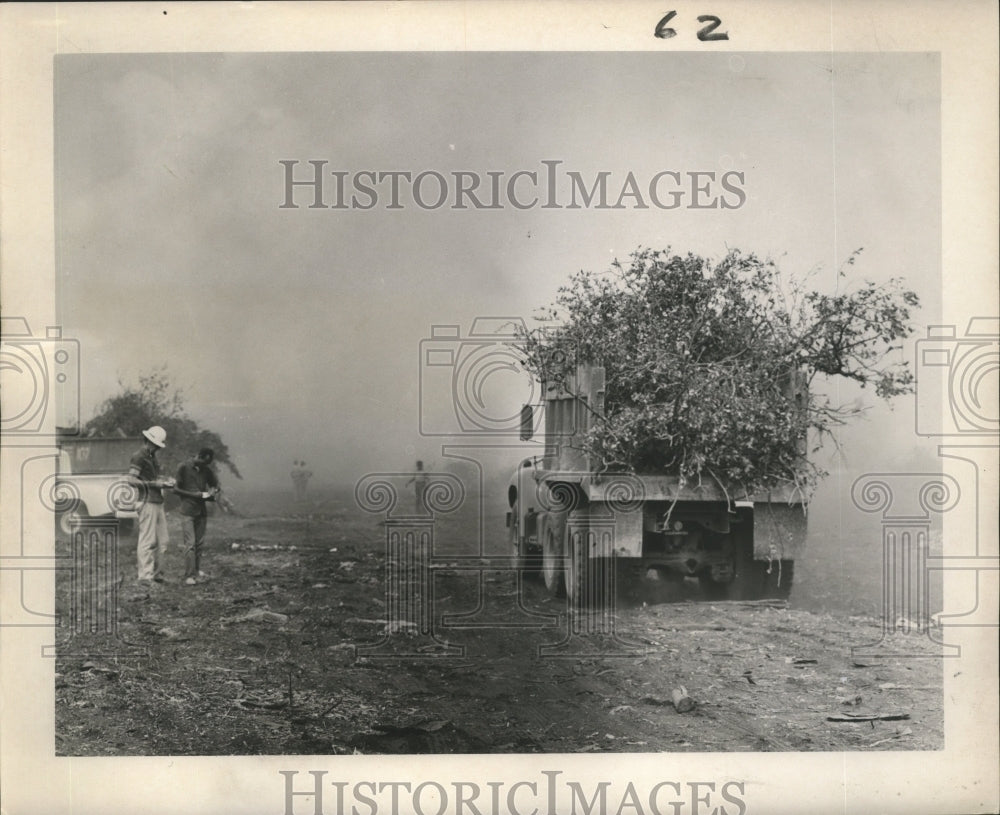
(315, 669)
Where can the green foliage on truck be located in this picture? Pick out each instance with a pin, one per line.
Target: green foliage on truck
(709, 364)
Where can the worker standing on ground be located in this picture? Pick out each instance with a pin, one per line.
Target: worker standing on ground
(419, 481)
(300, 479)
(196, 485)
(144, 473)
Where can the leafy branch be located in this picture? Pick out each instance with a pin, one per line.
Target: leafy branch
(154, 400)
(708, 364)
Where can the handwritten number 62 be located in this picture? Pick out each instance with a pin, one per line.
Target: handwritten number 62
(706, 34)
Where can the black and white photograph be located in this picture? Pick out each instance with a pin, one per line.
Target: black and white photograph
(492, 408)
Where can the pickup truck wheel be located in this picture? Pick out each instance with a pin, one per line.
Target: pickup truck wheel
(552, 531)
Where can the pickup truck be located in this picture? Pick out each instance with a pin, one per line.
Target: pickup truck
(92, 481)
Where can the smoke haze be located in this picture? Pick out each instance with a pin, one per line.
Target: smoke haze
(297, 333)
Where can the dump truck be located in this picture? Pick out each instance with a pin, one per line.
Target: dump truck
(92, 481)
(582, 529)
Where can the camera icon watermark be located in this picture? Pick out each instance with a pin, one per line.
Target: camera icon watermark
(39, 383)
(415, 570)
(476, 383)
(958, 380)
(570, 531)
(906, 503)
(409, 629)
(83, 561)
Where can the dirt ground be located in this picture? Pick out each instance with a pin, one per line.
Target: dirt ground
(303, 642)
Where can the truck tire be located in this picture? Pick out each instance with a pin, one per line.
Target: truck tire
(552, 533)
(529, 564)
(588, 580)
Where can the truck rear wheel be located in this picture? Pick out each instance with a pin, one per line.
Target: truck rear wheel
(527, 560)
(530, 565)
(588, 580)
(552, 533)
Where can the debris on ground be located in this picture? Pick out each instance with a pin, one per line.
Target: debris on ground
(257, 615)
(682, 702)
(322, 666)
(868, 717)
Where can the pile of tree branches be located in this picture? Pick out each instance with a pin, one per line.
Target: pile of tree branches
(153, 400)
(709, 364)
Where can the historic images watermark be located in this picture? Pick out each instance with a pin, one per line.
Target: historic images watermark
(586, 561)
(546, 792)
(40, 383)
(957, 381)
(460, 399)
(317, 184)
(956, 402)
(455, 373)
(41, 399)
(906, 503)
(40, 386)
(409, 548)
(454, 367)
(467, 378)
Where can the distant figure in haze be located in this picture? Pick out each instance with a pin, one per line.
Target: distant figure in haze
(300, 479)
(419, 481)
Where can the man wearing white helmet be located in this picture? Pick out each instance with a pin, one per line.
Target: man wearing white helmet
(144, 472)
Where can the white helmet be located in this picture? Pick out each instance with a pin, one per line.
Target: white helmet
(157, 435)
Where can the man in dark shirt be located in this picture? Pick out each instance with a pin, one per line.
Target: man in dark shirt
(196, 484)
(144, 473)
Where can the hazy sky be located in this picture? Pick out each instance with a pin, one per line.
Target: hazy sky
(297, 332)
